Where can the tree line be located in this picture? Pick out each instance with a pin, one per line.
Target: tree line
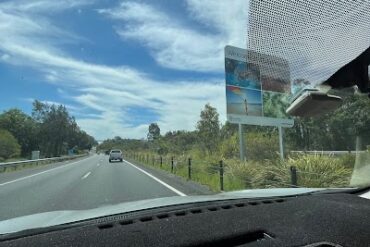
(333, 131)
(50, 129)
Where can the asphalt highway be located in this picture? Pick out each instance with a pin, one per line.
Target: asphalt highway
(78, 184)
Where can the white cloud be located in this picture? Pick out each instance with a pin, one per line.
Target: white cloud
(43, 6)
(112, 128)
(4, 57)
(103, 95)
(60, 91)
(50, 102)
(175, 44)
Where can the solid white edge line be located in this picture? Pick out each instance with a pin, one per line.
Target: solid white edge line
(33, 175)
(157, 179)
(86, 175)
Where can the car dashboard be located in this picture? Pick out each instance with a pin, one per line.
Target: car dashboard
(337, 219)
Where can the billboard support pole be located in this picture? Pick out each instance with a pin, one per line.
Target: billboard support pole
(281, 143)
(241, 143)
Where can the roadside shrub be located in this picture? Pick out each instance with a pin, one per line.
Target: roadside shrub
(312, 171)
(261, 146)
(229, 147)
(320, 171)
(243, 171)
(315, 171)
(348, 160)
(9, 146)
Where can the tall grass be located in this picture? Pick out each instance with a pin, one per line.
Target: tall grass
(314, 171)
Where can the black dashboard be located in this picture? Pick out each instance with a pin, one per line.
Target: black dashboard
(338, 219)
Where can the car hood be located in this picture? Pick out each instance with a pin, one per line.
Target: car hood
(54, 218)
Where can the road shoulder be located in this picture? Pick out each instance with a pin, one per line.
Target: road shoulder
(183, 185)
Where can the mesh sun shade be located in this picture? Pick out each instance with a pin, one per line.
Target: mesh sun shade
(315, 37)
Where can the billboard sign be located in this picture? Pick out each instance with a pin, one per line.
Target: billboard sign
(257, 88)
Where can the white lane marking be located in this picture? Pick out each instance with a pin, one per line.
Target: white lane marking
(86, 175)
(33, 175)
(157, 179)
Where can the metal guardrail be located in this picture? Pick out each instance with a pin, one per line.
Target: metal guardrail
(328, 152)
(23, 162)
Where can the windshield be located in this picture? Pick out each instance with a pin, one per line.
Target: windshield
(202, 97)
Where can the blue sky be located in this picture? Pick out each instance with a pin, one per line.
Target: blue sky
(119, 65)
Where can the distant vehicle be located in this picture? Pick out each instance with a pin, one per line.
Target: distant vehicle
(115, 154)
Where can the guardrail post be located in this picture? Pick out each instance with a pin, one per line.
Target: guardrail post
(221, 175)
(293, 175)
(160, 161)
(172, 164)
(189, 168)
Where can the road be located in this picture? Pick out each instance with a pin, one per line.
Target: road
(83, 184)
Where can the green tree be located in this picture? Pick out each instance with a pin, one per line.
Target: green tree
(22, 127)
(178, 142)
(9, 146)
(336, 130)
(124, 144)
(58, 131)
(208, 128)
(351, 120)
(228, 129)
(50, 129)
(154, 132)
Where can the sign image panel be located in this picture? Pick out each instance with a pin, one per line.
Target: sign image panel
(243, 101)
(242, 74)
(275, 104)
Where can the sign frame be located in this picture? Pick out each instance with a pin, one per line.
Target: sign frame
(280, 69)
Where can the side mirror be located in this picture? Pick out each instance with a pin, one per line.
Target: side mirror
(312, 102)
